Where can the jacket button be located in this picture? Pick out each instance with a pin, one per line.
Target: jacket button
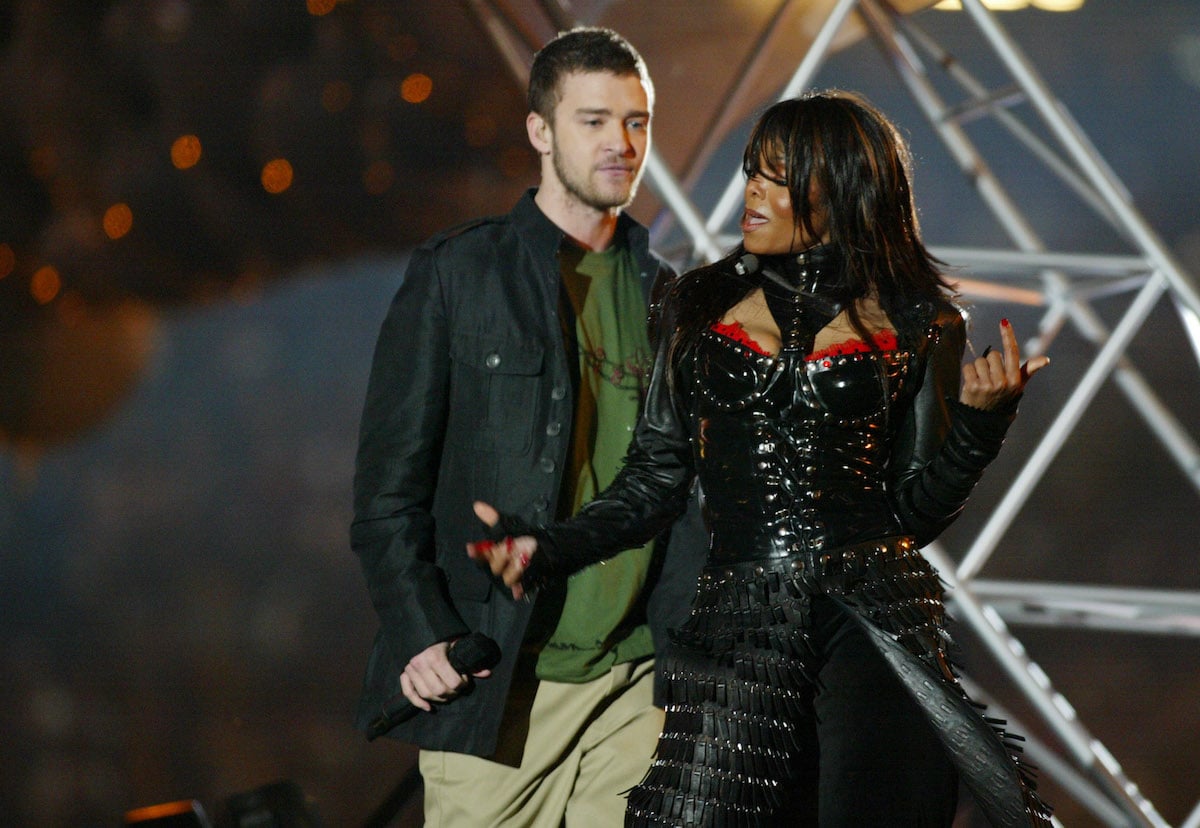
(492, 360)
(546, 464)
(541, 504)
(558, 392)
(554, 429)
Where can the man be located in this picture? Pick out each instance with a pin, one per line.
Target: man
(509, 369)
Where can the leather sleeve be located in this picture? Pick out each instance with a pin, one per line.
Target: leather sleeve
(646, 496)
(942, 446)
(664, 278)
(396, 467)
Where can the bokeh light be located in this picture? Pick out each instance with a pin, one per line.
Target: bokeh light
(185, 152)
(45, 284)
(118, 220)
(416, 88)
(277, 175)
(318, 8)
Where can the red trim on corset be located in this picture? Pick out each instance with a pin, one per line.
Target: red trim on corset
(884, 341)
(737, 333)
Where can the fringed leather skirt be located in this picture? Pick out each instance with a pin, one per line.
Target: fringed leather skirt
(744, 670)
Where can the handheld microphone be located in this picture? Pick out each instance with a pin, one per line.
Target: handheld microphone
(469, 654)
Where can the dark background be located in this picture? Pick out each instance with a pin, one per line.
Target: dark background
(181, 614)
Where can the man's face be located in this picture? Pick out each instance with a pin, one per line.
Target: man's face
(599, 138)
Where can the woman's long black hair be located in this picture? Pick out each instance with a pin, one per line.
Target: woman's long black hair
(841, 158)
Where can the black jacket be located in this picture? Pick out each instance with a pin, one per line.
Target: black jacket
(471, 398)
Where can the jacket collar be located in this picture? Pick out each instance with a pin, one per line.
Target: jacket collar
(545, 237)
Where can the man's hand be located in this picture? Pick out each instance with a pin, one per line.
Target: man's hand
(430, 678)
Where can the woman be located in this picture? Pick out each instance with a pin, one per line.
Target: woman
(808, 380)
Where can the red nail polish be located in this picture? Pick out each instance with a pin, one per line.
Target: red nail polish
(524, 559)
(1006, 323)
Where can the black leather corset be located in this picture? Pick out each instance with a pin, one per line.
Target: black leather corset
(791, 453)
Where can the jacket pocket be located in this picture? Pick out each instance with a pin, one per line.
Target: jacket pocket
(506, 375)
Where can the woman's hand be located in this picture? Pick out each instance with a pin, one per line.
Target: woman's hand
(997, 378)
(506, 558)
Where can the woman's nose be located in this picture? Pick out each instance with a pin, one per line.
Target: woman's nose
(753, 190)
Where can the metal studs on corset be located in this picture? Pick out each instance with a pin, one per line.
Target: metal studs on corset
(800, 293)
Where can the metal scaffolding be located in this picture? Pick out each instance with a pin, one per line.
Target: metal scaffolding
(1062, 285)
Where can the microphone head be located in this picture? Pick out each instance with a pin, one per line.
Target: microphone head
(746, 265)
(474, 652)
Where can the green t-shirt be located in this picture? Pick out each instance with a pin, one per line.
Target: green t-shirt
(603, 619)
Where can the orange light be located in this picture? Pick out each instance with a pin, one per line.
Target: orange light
(166, 809)
(277, 176)
(185, 152)
(118, 220)
(8, 260)
(45, 284)
(416, 88)
(317, 8)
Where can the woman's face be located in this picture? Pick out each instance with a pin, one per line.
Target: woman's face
(769, 225)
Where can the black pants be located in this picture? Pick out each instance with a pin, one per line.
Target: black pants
(879, 761)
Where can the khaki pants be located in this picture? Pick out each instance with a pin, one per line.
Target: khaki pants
(587, 744)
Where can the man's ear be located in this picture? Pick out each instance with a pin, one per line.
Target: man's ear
(539, 132)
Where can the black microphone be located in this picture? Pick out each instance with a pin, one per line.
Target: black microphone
(746, 264)
(469, 654)
(749, 264)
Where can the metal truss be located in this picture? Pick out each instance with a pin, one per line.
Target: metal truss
(1062, 285)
